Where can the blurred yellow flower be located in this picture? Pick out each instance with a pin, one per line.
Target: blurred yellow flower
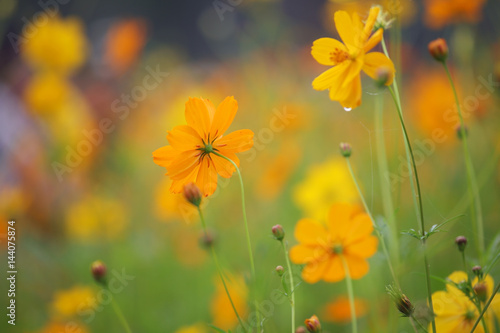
(439, 13)
(222, 312)
(170, 206)
(339, 311)
(60, 327)
(47, 92)
(190, 156)
(59, 45)
(96, 218)
(185, 240)
(197, 328)
(347, 235)
(343, 80)
(324, 184)
(456, 313)
(70, 302)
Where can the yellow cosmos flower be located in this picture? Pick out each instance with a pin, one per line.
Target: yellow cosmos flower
(191, 155)
(349, 58)
(325, 183)
(59, 45)
(456, 313)
(346, 234)
(70, 302)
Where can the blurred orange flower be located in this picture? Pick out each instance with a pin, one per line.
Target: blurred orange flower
(56, 327)
(70, 302)
(222, 311)
(197, 328)
(347, 234)
(340, 311)
(191, 156)
(439, 13)
(343, 80)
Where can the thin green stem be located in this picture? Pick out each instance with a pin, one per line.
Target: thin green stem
(490, 266)
(493, 294)
(249, 244)
(464, 262)
(412, 317)
(350, 294)
(219, 270)
(420, 206)
(292, 285)
(387, 203)
(476, 210)
(377, 231)
(483, 323)
(120, 315)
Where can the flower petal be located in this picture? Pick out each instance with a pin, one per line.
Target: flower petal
(182, 164)
(314, 271)
(347, 29)
(223, 117)
(224, 167)
(358, 267)
(184, 137)
(335, 271)
(339, 219)
(178, 185)
(322, 50)
(199, 113)
(332, 77)
(350, 96)
(301, 254)
(310, 232)
(363, 248)
(376, 60)
(373, 40)
(207, 177)
(358, 228)
(163, 156)
(370, 22)
(235, 142)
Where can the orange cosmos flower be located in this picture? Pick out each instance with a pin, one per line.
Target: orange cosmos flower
(439, 13)
(192, 154)
(347, 234)
(348, 59)
(339, 311)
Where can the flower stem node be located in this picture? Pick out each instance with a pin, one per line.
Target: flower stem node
(461, 242)
(439, 49)
(462, 133)
(192, 193)
(481, 290)
(278, 232)
(313, 325)
(345, 149)
(98, 269)
(280, 270)
(478, 271)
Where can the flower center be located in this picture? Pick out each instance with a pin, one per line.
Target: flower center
(338, 56)
(470, 315)
(206, 148)
(337, 248)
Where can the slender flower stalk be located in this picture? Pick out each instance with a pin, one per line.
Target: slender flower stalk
(249, 243)
(413, 319)
(292, 291)
(377, 231)
(475, 208)
(350, 293)
(219, 269)
(120, 315)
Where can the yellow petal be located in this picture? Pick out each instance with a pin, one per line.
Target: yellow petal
(362, 248)
(207, 177)
(301, 254)
(163, 156)
(182, 164)
(353, 70)
(376, 60)
(314, 271)
(223, 117)
(322, 50)
(350, 95)
(358, 267)
(339, 219)
(374, 40)
(332, 77)
(370, 22)
(224, 167)
(345, 28)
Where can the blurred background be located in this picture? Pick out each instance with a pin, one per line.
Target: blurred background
(88, 90)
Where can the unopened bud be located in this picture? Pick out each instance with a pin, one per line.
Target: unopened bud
(207, 239)
(461, 133)
(313, 325)
(403, 303)
(98, 269)
(481, 291)
(478, 271)
(345, 149)
(278, 232)
(461, 242)
(280, 270)
(438, 49)
(301, 329)
(192, 194)
(383, 76)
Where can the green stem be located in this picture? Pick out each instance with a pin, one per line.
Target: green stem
(490, 266)
(377, 231)
(350, 293)
(292, 285)
(384, 184)
(249, 244)
(476, 210)
(219, 270)
(420, 206)
(412, 317)
(493, 294)
(120, 315)
(464, 262)
(483, 323)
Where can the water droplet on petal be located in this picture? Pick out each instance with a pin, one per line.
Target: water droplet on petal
(347, 109)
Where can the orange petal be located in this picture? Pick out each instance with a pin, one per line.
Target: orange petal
(178, 185)
(350, 96)
(183, 164)
(163, 156)
(199, 113)
(207, 177)
(353, 70)
(358, 228)
(335, 271)
(235, 142)
(376, 60)
(223, 117)
(363, 248)
(373, 40)
(184, 137)
(339, 219)
(314, 271)
(322, 49)
(310, 232)
(224, 167)
(301, 254)
(332, 77)
(358, 267)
